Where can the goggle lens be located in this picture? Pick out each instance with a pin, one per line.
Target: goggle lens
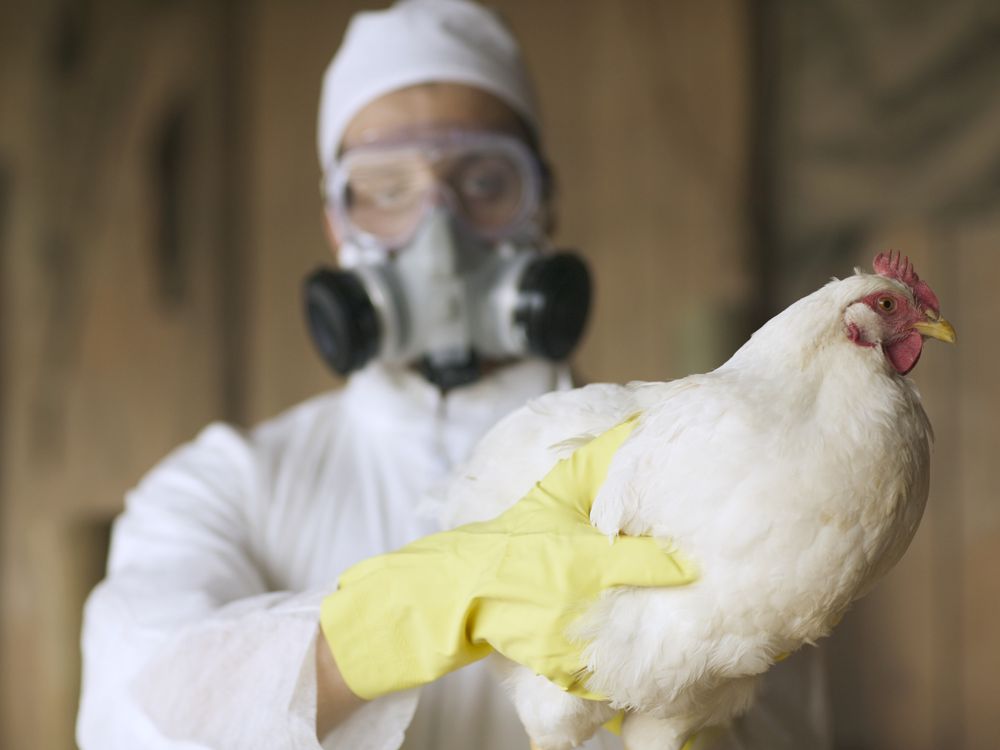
(490, 190)
(385, 196)
(489, 181)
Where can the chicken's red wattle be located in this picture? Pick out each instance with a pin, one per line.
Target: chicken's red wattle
(904, 353)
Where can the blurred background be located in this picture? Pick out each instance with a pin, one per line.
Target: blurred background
(716, 160)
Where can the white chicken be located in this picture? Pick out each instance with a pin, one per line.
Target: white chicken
(794, 476)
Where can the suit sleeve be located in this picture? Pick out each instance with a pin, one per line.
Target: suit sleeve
(183, 645)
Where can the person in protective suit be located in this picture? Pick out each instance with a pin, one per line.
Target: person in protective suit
(448, 311)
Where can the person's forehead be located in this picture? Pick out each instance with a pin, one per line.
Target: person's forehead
(428, 106)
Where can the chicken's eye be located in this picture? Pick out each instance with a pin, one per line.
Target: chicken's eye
(887, 304)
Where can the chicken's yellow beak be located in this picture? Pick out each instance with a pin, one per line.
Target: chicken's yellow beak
(936, 328)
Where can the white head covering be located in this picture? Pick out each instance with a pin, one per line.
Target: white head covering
(419, 41)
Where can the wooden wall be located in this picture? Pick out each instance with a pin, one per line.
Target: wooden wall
(158, 211)
(117, 312)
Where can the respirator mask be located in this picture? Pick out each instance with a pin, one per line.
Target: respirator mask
(441, 260)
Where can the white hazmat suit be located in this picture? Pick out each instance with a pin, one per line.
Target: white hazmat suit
(202, 633)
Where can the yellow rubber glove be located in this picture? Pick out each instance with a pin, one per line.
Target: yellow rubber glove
(512, 585)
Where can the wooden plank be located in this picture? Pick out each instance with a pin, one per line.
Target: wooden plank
(977, 395)
(646, 115)
(111, 318)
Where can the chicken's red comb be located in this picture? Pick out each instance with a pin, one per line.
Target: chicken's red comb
(895, 265)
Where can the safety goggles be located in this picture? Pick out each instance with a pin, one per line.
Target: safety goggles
(381, 192)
